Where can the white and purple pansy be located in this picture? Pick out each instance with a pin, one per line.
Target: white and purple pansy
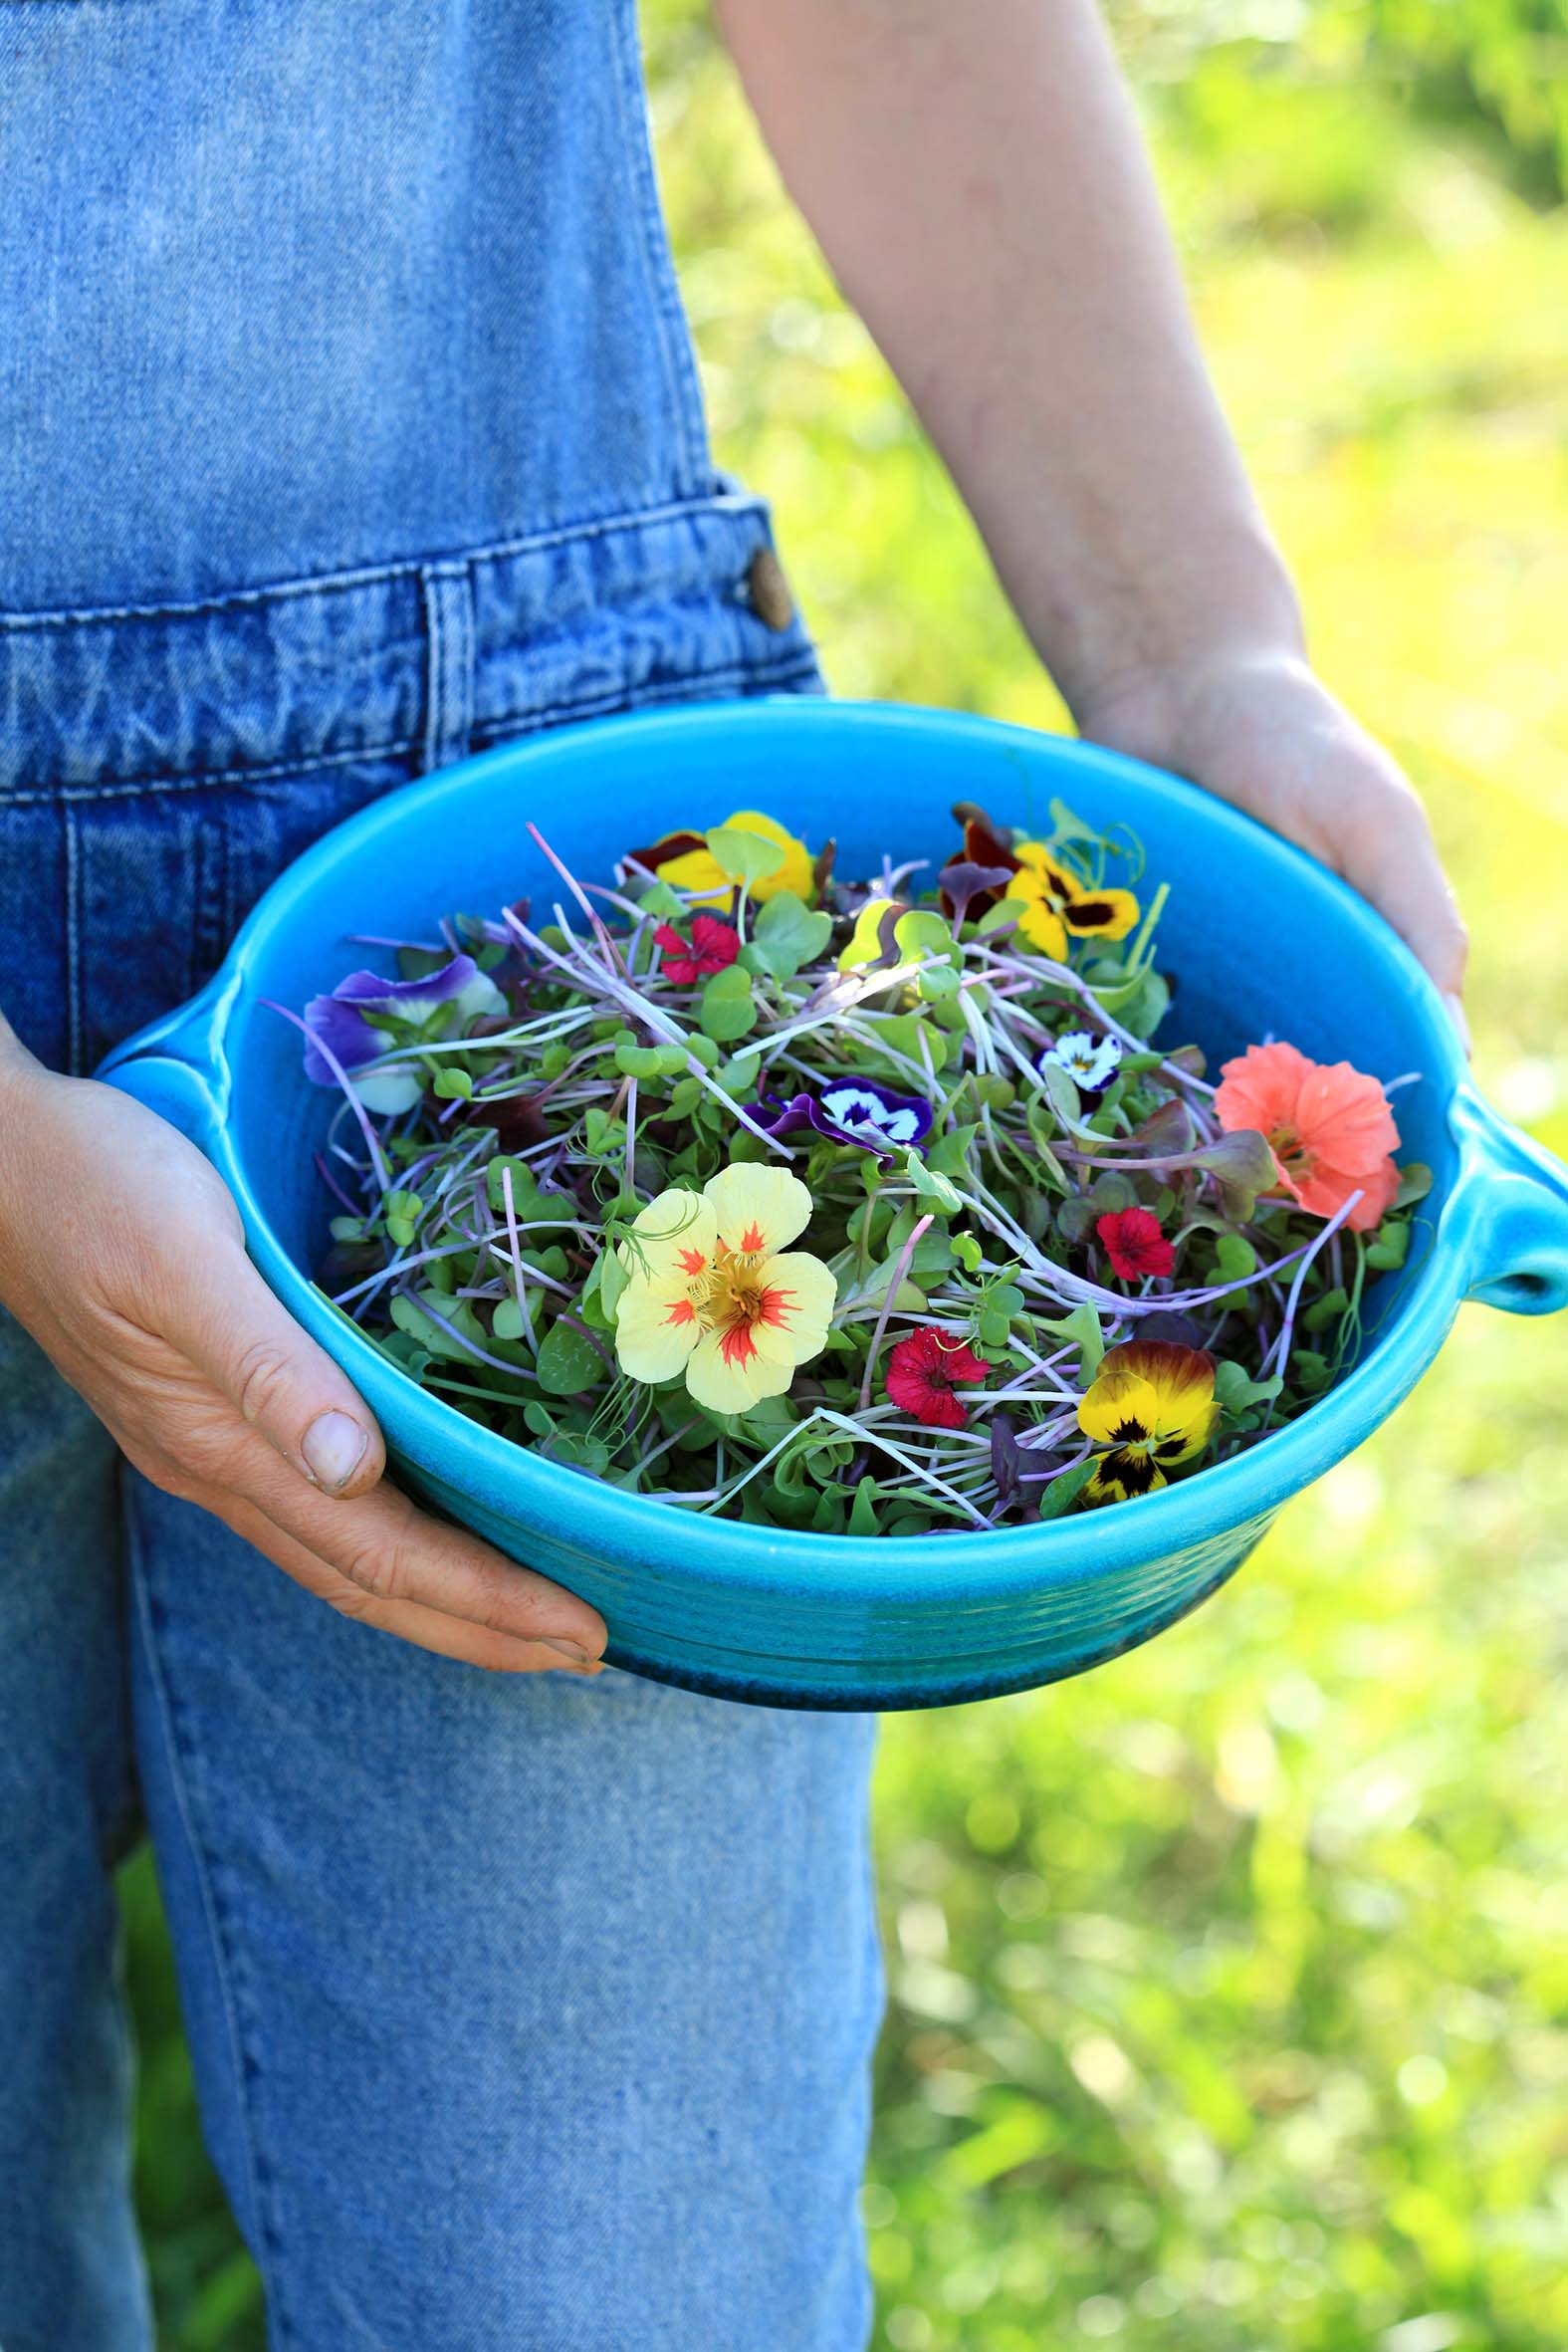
(857, 1111)
(349, 1025)
(1090, 1061)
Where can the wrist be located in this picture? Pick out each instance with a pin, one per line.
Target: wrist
(1167, 712)
(1223, 605)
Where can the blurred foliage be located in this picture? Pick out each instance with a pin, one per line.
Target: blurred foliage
(1230, 1983)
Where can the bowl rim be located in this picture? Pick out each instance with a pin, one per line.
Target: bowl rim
(1078, 1548)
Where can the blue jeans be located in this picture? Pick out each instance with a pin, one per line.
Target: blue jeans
(347, 424)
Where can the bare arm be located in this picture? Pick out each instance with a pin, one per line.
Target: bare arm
(977, 181)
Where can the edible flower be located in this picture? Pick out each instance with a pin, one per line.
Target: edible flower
(1090, 1061)
(1056, 902)
(685, 862)
(924, 1369)
(1151, 1407)
(713, 947)
(713, 1290)
(346, 1023)
(1328, 1126)
(860, 1112)
(1135, 1244)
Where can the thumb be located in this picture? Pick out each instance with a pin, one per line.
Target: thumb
(235, 1332)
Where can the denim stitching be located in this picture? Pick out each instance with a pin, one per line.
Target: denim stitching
(724, 504)
(74, 1018)
(282, 771)
(490, 731)
(449, 660)
(801, 664)
(180, 1750)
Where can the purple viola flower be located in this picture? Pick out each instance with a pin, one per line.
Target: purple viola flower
(339, 1023)
(857, 1111)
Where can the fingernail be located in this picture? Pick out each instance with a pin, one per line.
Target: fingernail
(570, 1648)
(1454, 1007)
(333, 1448)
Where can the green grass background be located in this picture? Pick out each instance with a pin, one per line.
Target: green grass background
(1229, 1985)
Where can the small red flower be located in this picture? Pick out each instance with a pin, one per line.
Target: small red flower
(922, 1371)
(1137, 1246)
(713, 948)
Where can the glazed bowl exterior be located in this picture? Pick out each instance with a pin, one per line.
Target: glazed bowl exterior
(1259, 939)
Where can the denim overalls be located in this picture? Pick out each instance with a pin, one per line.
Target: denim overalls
(348, 424)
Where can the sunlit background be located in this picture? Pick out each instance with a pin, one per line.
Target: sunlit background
(1229, 1984)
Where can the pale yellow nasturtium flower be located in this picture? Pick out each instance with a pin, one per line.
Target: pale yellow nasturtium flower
(713, 1290)
(699, 870)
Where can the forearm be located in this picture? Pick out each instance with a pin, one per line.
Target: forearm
(977, 181)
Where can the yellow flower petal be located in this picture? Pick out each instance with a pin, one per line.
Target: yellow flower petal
(657, 1328)
(1183, 1382)
(1107, 1486)
(698, 871)
(799, 1293)
(1100, 914)
(675, 1237)
(757, 1210)
(1120, 1407)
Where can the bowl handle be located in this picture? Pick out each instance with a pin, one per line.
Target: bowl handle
(175, 1067)
(1510, 1207)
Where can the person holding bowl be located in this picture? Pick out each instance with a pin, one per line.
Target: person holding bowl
(348, 424)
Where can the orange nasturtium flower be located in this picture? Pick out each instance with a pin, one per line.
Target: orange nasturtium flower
(1329, 1127)
(685, 862)
(1152, 1407)
(715, 1292)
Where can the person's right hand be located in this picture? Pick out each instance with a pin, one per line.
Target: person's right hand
(123, 1253)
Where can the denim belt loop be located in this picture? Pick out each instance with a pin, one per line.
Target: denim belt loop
(448, 593)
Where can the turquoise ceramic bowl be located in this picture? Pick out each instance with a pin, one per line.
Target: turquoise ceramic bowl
(1258, 937)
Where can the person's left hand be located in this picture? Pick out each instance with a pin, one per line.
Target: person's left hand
(1262, 732)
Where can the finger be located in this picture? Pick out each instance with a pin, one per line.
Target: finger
(428, 1629)
(1402, 873)
(491, 1648)
(253, 1352)
(395, 1554)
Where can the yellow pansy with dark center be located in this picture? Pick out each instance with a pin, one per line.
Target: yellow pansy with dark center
(1151, 1407)
(1058, 904)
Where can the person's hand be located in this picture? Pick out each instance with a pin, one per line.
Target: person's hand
(122, 1252)
(1264, 733)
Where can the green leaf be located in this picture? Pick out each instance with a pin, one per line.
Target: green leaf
(1083, 1326)
(932, 1187)
(1062, 1094)
(1235, 1391)
(506, 1321)
(640, 1062)
(452, 1084)
(939, 980)
(862, 1511)
(1390, 1244)
(746, 857)
(791, 933)
(1066, 1488)
(1234, 1258)
(923, 932)
(1325, 1310)
(1415, 1182)
(568, 1362)
(728, 1010)
(968, 1252)
(1243, 1165)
